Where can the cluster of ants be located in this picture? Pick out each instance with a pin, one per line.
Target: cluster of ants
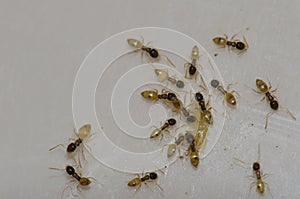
(198, 115)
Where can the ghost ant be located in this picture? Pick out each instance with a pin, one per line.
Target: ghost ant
(151, 53)
(164, 128)
(83, 133)
(205, 111)
(257, 174)
(266, 90)
(145, 178)
(228, 95)
(240, 45)
(82, 181)
(163, 75)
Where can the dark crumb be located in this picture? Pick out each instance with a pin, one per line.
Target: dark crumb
(225, 148)
(276, 146)
(250, 125)
(216, 54)
(166, 166)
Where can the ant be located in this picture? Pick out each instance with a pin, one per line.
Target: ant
(192, 67)
(153, 95)
(163, 75)
(147, 177)
(258, 174)
(237, 44)
(83, 133)
(229, 97)
(158, 131)
(193, 149)
(205, 112)
(83, 181)
(265, 89)
(171, 97)
(172, 147)
(151, 53)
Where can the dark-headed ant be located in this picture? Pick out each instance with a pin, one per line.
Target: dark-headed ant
(265, 89)
(237, 44)
(151, 53)
(206, 114)
(83, 133)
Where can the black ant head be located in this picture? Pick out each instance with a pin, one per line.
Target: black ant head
(171, 122)
(256, 166)
(274, 105)
(198, 96)
(70, 170)
(153, 176)
(171, 96)
(192, 70)
(240, 45)
(71, 147)
(154, 53)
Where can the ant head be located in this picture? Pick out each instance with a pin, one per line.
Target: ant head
(274, 105)
(256, 166)
(71, 147)
(154, 53)
(198, 96)
(240, 45)
(171, 96)
(70, 170)
(171, 122)
(192, 69)
(153, 175)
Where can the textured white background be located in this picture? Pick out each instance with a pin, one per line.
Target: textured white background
(42, 44)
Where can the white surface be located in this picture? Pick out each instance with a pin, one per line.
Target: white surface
(112, 113)
(44, 43)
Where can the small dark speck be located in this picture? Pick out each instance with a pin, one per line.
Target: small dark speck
(250, 125)
(166, 166)
(276, 146)
(102, 127)
(186, 193)
(216, 54)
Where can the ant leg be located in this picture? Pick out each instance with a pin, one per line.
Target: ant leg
(203, 82)
(56, 147)
(292, 116)
(262, 99)
(160, 188)
(258, 92)
(56, 169)
(186, 65)
(267, 119)
(226, 37)
(148, 186)
(244, 164)
(77, 187)
(62, 194)
(245, 40)
(251, 186)
(196, 75)
(258, 153)
(71, 139)
(83, 155)
(268, 187)
(79, 161)
(169, 60)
